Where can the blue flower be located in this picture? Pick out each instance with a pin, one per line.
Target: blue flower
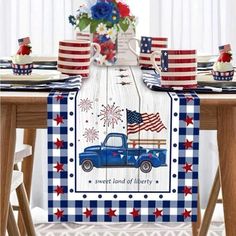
(72, 20)
(103, 38)
(102, 11)
(115, 16)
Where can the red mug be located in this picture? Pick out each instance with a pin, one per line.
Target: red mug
(74, 57)
(178, 68)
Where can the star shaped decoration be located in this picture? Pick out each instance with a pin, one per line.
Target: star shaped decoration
(59, 143)
(134, 213)
(59, 97)
(189, 98)
(88, 213)
(59, 190)
(187, 167)
(59, 167)
(123, 76)
(59, 214)
(59, 119)
(150, 155)
(124, 83)
(188, 144)
(111, 213)
(187, 190)
(189, 120)
(120, 69)
(186, 214)
(158, 213)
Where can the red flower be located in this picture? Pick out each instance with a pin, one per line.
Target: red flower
(123, 9)
(108, 49)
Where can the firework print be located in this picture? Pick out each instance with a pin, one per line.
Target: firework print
(85, 104)
(110, 115)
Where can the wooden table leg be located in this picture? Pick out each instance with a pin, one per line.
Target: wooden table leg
(27, 169)
(210, 206)
(8, 141)
(227, 160)
(196, 225)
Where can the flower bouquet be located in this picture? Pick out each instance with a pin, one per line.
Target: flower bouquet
(104, 19)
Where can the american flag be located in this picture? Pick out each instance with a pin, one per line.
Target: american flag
(179, 68)
(225, 48)
(149, 45)
(149, 122)
(24, 41)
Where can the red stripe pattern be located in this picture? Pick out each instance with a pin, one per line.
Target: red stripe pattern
(74, 57)
(149, 45)
(178, 68)
(149, 122)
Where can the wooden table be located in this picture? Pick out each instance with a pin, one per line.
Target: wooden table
(28, 110)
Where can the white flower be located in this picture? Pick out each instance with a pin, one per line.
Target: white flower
(111, 33)
(101, 29)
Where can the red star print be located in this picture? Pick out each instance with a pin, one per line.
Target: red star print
(59, 119)
(59, 213)
(134, 213)
(150, 155)
(189, 98)
(187, 190)
(59, 143)
(111, 213)
(188, 144)
(187, 167)
(59, 190)
(59, 167)
(114, 154)
(158, 213)
(189, 120)
(59, 97)
(88, 213)
(186, 214)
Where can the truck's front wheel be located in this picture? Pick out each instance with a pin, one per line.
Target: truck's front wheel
(87, 165)
(146, 166)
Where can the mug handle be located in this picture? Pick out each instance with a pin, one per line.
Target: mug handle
(130, 47)
(98, 51)
(153, 56)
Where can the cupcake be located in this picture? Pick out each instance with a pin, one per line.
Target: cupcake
(22, 62)
(223, 69)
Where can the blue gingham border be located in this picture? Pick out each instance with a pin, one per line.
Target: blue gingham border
(60, 209)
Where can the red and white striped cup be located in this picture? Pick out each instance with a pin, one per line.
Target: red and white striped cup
(178, 68)
(74, 57)
(147, 46)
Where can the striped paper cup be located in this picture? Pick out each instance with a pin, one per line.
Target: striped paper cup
(178, 68)
(22, 69)
(147, 46)
(223, 76)
(74, 57)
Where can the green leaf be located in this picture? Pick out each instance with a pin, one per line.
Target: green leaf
(123, 25)
(93, 26)
(83, 23)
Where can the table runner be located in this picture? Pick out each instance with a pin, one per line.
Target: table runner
(120, 137)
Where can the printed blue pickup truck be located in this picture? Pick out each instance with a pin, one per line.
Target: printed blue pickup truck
(114, 152)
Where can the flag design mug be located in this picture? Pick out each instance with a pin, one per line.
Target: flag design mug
(147, 46)
(74, 57)
(178, 68)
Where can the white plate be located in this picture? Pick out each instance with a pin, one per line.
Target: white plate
(37, 75)
(36, 59)
(204, 58)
